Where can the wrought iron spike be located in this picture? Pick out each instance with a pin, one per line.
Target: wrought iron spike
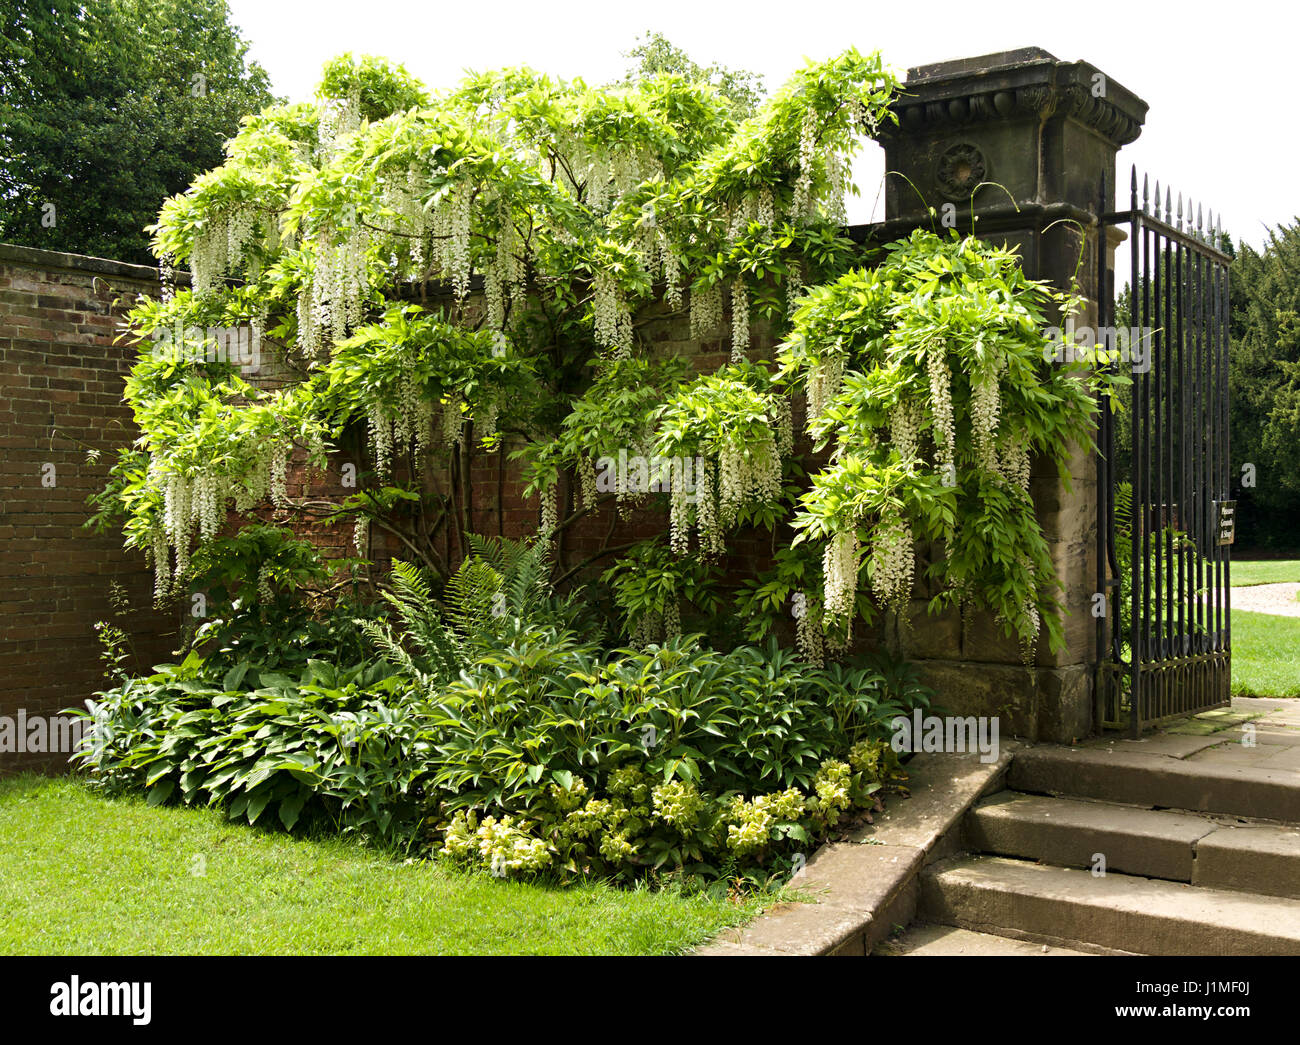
(1180, 212)
(1200, 228)
(1169, 205)
(1157, 199)
(1146, 190)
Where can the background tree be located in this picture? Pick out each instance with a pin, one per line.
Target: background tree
(108, 108)
(1264, 381)
(656, 55)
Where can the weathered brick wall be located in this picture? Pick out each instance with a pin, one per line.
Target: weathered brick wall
(60, 400)
(498, 505)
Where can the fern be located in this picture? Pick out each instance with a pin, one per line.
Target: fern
(472, 596)
(412, 598)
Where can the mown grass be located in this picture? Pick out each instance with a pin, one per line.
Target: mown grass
(1265, 654)
(81, 873)
(1265, 571)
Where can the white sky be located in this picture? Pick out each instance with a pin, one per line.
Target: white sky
(1219, 77)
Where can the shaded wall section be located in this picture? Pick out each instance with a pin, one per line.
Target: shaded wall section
(61, 382)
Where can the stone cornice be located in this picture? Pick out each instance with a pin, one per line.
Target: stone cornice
(1029, 84)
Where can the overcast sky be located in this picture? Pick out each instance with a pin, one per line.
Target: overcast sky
(1220, 78)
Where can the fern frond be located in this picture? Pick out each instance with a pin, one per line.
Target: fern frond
(471, 596)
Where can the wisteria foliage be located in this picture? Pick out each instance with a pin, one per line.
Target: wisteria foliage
(445, 271)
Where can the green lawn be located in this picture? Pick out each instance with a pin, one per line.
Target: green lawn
(1265, 654)
(1265, 571)
(84, 874)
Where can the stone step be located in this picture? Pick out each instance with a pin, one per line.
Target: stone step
(991, 894)
(1073, 833)
(1205, 849)
(925, 940)
(1158, 781)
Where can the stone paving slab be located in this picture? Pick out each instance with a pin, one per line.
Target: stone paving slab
(995, 895)
(924, 940)
(1129, 777)
(1068, 833)
(1254, 859)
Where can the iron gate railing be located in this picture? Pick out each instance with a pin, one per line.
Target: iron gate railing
(1164, 644)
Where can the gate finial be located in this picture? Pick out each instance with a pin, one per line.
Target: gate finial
(1146, 195)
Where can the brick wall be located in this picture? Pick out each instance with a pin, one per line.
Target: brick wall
(60, 397)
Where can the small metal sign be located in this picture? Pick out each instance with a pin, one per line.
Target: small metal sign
(1227, 521)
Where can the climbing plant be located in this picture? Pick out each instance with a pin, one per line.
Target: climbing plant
(483, 268)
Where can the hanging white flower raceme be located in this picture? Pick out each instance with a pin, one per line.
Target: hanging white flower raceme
(219, 245)
(485, 419)
(339, 118)
(647, 630)
(550, 512)
(739, 320)
(457, 220)
(679, 520)
(809, 638)
(893, 561)
(985, 407)
(711, 542)
(748, 471)
(824, 380)
(784, 423)
(706, 311)
(904, 430)
(161, 555)
(802, 201)
(836, 191)
(279, 468)
(1015, 455)
(613, 328)
(672, 618)
(453, 422)
(587, 482)
(361, 533)
(941, 410)
(672, 268)
(794, 286)
(840, 575)
(381, 435)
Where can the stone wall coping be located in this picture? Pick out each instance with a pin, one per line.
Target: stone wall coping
(33, 257)
(866, 885)
(1027, 85)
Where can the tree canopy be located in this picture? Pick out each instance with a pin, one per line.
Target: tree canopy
(108, 108)
(1264, 383)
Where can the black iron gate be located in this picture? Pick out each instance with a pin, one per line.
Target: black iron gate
(1165, 518)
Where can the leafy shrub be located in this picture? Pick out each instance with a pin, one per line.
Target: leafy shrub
(334, 746)
(674, 755)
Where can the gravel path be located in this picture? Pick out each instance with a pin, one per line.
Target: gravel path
(1268, 598)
